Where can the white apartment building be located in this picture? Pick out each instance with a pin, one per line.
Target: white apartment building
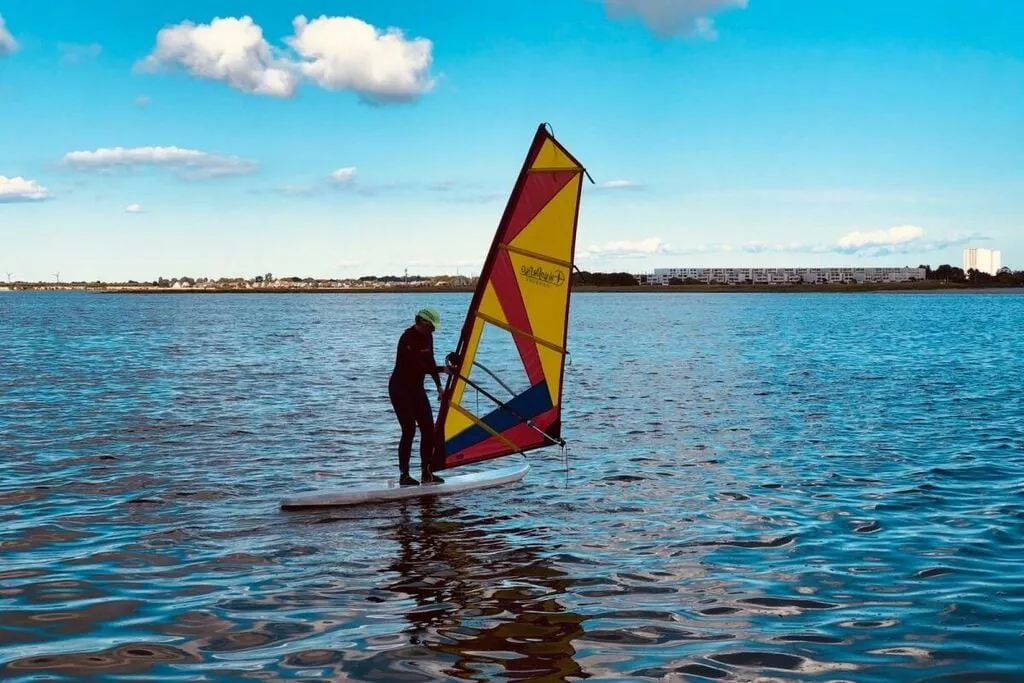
(785, 276)
(983, 260)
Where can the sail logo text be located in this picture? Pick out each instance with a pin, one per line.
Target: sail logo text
(541, 276)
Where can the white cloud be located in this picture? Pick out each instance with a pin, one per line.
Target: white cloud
(345, 177)
(675, 17)
(442, 186)
(905, 239)
(8, 45)
(294, 190)
(193, 164)
(902, 239)
(134, 208)
(624, 248)
(345, 53)
(619, 185)
(20, 189)
(227, 49)
(72, 53)
(142, 100)
(898, 235)
(348, 179)
(792, 248)
(825, 195)
(335, 53)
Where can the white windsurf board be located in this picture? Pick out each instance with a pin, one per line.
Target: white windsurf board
(390, 490)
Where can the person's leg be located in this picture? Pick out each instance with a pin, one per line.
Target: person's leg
(407, 421)
(425, 422)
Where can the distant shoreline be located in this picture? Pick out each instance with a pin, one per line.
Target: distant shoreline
(926, 286)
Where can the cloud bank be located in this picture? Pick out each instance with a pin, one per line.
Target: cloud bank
(903, 239)
(666, 18)
(8, 46)
(334, 53)
(892, 237)
(838, 195)
(344, 177)
(619, 185)
(624, 248)
(192, 164)
(20, 189)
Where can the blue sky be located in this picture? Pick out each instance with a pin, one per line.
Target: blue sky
(231, 137)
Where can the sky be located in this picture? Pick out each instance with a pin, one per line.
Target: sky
(332, 139)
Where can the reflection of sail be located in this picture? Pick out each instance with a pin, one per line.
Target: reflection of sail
(467, 610)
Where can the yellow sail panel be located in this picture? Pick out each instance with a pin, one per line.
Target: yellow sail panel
(552, 157)
(545, 290)
(460, 386)
(456, 423)
(551, 231)
(552, 361)
(490, 306)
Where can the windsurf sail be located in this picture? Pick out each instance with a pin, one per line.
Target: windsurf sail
(504, 391)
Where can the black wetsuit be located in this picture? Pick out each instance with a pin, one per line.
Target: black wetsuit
(414, 361)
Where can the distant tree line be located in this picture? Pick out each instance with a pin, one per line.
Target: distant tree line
(391, 278)
(586, 278)
(976, 278)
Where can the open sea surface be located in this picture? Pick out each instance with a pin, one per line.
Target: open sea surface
(759, 487)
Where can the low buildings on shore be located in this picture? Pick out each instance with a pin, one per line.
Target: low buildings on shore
(782, 276)
(269, 282)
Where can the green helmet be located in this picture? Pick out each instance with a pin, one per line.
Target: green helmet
(431, 316)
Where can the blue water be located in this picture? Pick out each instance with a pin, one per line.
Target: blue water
(796, 487)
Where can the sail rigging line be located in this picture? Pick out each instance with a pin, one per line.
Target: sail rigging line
(449, 362)
(496, 378)
(473, 418)
(504, 406)
(565, 459)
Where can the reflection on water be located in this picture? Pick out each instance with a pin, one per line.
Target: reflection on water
(760, 487)
(133, 658)
(483, 607)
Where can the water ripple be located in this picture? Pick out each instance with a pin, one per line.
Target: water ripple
(759, 487)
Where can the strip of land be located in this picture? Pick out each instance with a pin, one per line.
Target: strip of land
(921, 286)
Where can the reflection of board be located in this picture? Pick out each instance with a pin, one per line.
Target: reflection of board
(390, 490)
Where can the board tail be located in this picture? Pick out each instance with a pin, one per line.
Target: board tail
(504, 392)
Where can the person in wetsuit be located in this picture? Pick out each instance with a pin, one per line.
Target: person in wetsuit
(414, 360)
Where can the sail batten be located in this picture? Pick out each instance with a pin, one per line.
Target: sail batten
(551, 170)
(477, 421)
(522, 333)
(533, 254)
(517, 322)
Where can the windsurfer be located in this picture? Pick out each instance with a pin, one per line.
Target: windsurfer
(413, 362)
